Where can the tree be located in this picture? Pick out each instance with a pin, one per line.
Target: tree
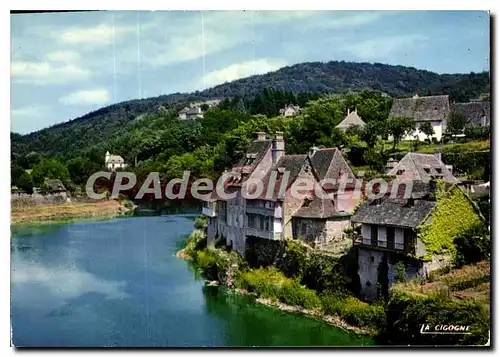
(399, 127)
(427, 129)
(456, 123)
(51, 169)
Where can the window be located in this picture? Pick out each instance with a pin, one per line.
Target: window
(400, 172)
(374, 235)
(427, 170)
(439, 170)
(390, 237)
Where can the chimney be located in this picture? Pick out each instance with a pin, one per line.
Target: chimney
(348, 111)
(438, 155)
(312, 151)
(261, 135)
(278, 149)
(415, 96)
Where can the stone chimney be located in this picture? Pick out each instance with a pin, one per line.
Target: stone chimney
(278, 148)
(438, 155)
(261, 135)
(348, 111)
(312, 151)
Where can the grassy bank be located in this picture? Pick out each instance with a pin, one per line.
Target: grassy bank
(318, 285)
(66, 212)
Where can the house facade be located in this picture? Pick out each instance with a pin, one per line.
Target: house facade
(413, 231)
(433, 109)
(352, 119)
(278, 211)
(113, 162)
(191, 113)
(290, 110)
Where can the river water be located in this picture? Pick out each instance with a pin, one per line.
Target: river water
(118, 283)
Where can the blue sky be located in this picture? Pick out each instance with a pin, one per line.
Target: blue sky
(64, 65)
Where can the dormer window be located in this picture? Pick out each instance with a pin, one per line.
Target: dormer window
(307, 202)
(400, 172)
(427, 170)
(439, 170)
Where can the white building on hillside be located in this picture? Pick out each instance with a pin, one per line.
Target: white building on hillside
(113, 162)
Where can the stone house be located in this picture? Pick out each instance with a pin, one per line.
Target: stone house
(421, 167)
(352, 119)
(417, 231)
(277, 211)
(191, 113)
(433, 109)
(477, 113)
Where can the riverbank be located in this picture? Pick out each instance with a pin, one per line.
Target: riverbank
(271, 288)
(50, 213)
(309, 283)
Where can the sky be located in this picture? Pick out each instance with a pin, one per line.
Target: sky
(64, 65)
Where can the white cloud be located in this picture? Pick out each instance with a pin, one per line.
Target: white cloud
(383, 47)
(56, 67)
(99, 35)
(63, 56)
(31, 111)
(28, 118)
(85, 97)
(240, 70)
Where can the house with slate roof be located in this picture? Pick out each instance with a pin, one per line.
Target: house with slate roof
(421, 167)
(433, 109)
(477, 113)
(396, 229)
(277, 211)
(113, 162)
(352, 119)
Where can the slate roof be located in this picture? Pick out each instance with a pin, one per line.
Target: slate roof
(394, 212)
(254, 154)
(352, 119)
(320, 209)
(432, 108)
(478, 113)
(291, 163)
(55, 185)
(415, 165)
(330, 163)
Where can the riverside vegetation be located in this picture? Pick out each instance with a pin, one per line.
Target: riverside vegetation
(313, 283)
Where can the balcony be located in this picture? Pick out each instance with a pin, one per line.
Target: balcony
(256, 232)
(367, 243)
(209, 209)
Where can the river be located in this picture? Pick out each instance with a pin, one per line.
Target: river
(118, 283)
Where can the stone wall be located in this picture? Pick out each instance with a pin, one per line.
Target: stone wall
(260, 252)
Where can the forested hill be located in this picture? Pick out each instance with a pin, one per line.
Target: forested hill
(299, 81)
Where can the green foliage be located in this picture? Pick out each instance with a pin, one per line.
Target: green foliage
(453, 214)
(294, 259)
(399, 127)
(201, 223)
(51, 169)
(427, 129)
(323, 272)
(400, 272)
(354, 311)
(195, 242)
(475, 132)
(456, 122)
(294, 294)
(406, 314)
(473, 245)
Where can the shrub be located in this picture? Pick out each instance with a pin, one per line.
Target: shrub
(196, 241)
(292, 293)
(265, 282)
(294, 259)
(473, 245)
(323, 272)
(201, 223)
(400, 272)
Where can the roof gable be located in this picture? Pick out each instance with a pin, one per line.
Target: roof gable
(418, 166)
(353, 119)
